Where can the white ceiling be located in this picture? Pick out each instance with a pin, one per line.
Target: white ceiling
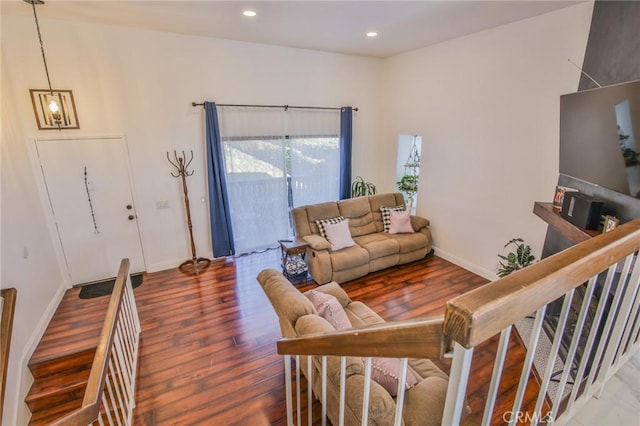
(334, 26)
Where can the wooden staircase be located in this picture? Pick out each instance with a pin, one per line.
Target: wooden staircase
(61, 363)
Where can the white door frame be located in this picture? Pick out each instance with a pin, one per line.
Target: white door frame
(48, 209)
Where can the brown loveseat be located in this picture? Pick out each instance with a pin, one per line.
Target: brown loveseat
(374, 249)
(424, 402)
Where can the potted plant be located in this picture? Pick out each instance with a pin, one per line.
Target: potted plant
(409, 185)
(515, 260)
(361, 188)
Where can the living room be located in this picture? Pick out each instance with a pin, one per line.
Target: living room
(486, 105)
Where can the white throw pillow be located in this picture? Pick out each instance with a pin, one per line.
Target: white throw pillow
(339, 235)
(322, 222)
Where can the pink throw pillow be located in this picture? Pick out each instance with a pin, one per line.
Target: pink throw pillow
(400, 222)
(329, 308)
(386, 372)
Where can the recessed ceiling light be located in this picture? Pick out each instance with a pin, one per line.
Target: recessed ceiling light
(249, 13)
(372, 34)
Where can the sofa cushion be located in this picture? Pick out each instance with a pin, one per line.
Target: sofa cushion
(329, 308)
(410, 242)
(424, 403)
(334, 289)
(322, 222)
(386, 215)
(314, 324)
(379, 200)
(349, 257)
(359, 213)
(400, 222)
(338, 234)
(378, 245)
(386, 371)
(360, 314)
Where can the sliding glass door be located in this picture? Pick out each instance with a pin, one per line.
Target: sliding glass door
(276, 160)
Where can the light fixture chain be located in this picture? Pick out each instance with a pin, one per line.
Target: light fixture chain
(44, 59)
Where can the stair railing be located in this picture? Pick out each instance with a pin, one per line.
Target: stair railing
(593, 336)
(109, 398)
(7, 307)
(420, 338)
(586, 303)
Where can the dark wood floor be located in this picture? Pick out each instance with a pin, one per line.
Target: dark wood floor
(208, 343)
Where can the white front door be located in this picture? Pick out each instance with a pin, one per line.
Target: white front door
(89, 188)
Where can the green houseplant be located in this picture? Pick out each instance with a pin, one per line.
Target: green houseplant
(515, 260)
(408, 183)
(361, 188)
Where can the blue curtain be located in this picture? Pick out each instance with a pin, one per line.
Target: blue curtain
(346, 114)
(221, 231)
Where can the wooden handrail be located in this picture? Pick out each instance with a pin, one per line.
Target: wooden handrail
(421, 338)
(90, 409)
(481, 313)
(6, 329)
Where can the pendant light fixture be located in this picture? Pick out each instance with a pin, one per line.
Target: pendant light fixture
(52, 100)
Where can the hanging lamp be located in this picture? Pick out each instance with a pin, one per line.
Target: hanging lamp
(52, 100)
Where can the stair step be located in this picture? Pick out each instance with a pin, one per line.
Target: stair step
(57, 389)
(65, 362)
(61, 362)
(75, 327)
(46, 417)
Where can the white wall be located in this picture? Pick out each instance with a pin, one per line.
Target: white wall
(487, 107)
(141, 84)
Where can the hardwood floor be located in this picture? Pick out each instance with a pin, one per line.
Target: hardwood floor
(208, 342)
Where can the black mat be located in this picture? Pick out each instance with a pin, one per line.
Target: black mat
(106, 287)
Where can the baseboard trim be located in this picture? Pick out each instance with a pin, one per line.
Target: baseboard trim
(483, 272)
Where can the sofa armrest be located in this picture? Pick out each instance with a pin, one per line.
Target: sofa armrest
(317, 242)
(419, 222)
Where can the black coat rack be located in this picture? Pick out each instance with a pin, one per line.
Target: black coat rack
(181, 164)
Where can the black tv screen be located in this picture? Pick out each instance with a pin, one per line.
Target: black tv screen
(600, 137)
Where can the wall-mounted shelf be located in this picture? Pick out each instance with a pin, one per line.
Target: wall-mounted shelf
(549, 214)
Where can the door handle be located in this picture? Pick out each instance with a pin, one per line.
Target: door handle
(131, 217)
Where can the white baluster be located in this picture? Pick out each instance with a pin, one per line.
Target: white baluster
(457, 387)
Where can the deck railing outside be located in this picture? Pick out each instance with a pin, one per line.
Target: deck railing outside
(109, 398)
(585, 304)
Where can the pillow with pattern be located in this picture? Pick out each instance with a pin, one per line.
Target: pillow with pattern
(322, 222)
(386, 215)
(386, 371)
(329, 308)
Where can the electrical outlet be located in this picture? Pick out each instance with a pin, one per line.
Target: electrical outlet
(161, 205)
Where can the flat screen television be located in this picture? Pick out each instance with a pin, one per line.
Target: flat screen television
(600, 137)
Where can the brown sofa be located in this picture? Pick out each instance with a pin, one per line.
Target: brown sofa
(424, 402)
(374, 248)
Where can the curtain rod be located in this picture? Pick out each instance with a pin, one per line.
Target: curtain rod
(273, 106)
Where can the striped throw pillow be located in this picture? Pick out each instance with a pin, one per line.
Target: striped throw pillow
(386, 215)
(322, 222)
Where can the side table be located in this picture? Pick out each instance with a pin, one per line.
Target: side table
(294, 266)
